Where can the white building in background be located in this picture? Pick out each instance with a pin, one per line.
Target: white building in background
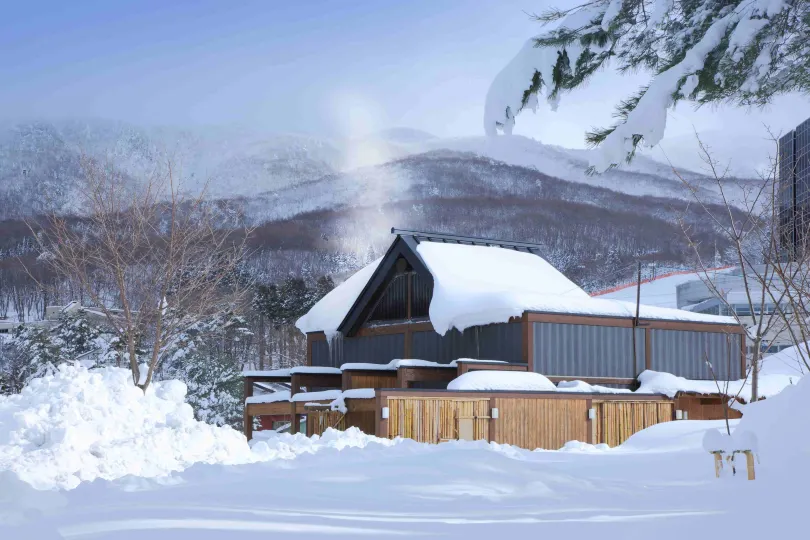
(53, 314)
(688, 291)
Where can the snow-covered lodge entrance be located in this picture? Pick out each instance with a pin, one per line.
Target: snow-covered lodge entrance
(386, 347)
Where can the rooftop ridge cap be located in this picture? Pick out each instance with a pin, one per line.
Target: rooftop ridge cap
(474, 240)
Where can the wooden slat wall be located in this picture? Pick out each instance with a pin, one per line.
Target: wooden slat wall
(362, 420)
(382, 379)
(433, 420)
(705, 407)
(540, 423)
(618, 420)
(319, 421)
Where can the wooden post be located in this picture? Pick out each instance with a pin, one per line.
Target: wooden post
(590, 423)
(408, 342)
(247, 419)
(528, 341)
(295, 419)
(718, 463)
(648, 348)
(749, 462)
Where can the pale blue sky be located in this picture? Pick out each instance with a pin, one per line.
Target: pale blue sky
(327, 67)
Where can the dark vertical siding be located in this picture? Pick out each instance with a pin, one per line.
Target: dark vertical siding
(393, 303)
(320, 353)
(373, 349)
(501, 341)
(684, 354)
(443, 349)
(422, 292)
(577, 350)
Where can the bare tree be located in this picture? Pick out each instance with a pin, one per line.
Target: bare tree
(772, 305)
(151, 259)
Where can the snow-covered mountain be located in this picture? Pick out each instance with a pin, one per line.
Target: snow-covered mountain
(40, 163)
(326, 206)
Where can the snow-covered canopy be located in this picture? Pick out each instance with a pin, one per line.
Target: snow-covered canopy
(477, 285)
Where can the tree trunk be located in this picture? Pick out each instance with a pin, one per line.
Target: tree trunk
(755, 369)
(262, 345)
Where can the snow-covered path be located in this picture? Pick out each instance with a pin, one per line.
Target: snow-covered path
(651, 489)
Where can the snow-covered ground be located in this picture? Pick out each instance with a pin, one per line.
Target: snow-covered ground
(659, 484)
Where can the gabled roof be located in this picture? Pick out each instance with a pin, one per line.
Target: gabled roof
(475, 281)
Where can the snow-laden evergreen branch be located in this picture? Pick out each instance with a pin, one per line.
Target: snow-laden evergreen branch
(705, 51)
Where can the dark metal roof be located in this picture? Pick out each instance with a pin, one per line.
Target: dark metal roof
(423, 236)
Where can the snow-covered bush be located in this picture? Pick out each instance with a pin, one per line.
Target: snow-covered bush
(75, 334)
(205, 358)
(31, 352)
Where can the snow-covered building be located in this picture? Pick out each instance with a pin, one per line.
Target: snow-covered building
(689, 291)
(439, 297)
(449, 337)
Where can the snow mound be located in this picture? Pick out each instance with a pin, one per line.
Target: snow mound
(269, 445)
(656, 382)
(790, 361)
(502, 380)
(682, 435)
(781, 425)
(77, 425)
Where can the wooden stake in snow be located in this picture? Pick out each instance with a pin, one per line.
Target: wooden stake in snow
(718, 463)
(749, 461)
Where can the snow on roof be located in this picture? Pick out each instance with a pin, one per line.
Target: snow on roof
(315, 370)
(659, 291)
(339, 404)
(369, 367)
(483, 284)
(327, 314)
(655, 382)
(477, 285)
(316, 396)
(395, 364)
(585, 388)
(790, 361)
(268, 373)
(502, 380)
(274, 397)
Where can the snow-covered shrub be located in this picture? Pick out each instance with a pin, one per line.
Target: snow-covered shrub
(31, 352)
(205, 358)
(75, 334)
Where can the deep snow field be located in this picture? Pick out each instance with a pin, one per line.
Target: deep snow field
(109, 463)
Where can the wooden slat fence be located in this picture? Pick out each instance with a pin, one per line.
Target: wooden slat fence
(540, 423)
(319, 421)
(433, 420)
(616, 421)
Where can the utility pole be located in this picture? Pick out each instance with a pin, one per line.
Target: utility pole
(635, 319)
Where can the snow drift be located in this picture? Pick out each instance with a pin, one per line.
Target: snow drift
(77, 425)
